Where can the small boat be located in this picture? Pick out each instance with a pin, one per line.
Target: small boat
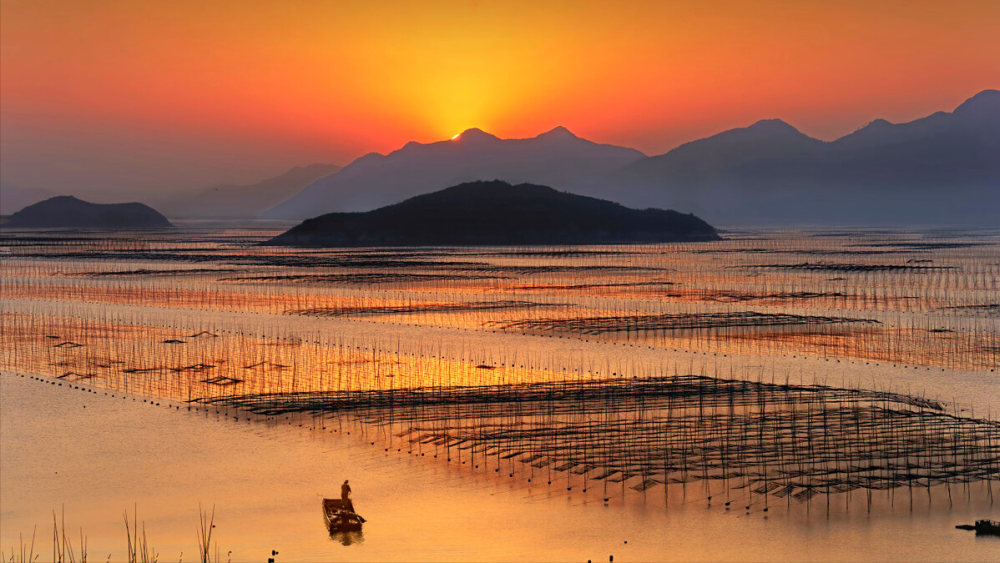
(340, 515)
(986, 527)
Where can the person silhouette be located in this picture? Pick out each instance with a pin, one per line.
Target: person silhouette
(345, 496)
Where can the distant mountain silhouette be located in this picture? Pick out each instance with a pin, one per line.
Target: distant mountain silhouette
(230, 201)
(557, 158)
(62, 212)
(944, 168)
(497, 213)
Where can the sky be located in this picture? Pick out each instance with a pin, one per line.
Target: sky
(119, 97)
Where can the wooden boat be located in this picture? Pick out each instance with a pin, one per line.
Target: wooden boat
(340, 515)
(986, 527)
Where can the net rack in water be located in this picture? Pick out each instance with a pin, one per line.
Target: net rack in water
(754, 438)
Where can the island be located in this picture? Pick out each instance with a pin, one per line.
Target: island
(68, 212)
(497, 213)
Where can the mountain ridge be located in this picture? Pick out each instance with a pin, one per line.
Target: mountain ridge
(69, 212)
(497, 213)
(938, 169)
(556, 158)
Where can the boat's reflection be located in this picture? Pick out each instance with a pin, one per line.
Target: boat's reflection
(348, 537)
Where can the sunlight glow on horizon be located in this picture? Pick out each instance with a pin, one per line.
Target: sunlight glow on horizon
(152, 94)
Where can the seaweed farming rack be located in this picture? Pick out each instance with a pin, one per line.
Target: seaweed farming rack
(734, 437)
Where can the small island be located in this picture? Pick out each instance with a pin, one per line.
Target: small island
(497, 213)
(68, 212)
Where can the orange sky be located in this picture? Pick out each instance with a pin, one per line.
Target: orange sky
(153, 95)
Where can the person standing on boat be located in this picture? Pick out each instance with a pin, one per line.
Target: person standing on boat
(345, 496)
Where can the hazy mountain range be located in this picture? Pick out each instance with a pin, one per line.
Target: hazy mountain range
(225, 201)
(944, 168)
(556, 158)
(941, 169)
(230, 201)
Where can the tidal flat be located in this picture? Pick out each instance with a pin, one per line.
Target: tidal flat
(794, 395)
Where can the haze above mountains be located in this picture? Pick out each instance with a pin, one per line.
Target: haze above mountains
(941, 169)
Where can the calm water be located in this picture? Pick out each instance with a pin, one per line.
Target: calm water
(908, 312)
(99, 455)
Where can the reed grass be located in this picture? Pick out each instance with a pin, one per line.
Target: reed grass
(137, 550)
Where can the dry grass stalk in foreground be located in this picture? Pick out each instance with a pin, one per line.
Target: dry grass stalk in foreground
(138, 549)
